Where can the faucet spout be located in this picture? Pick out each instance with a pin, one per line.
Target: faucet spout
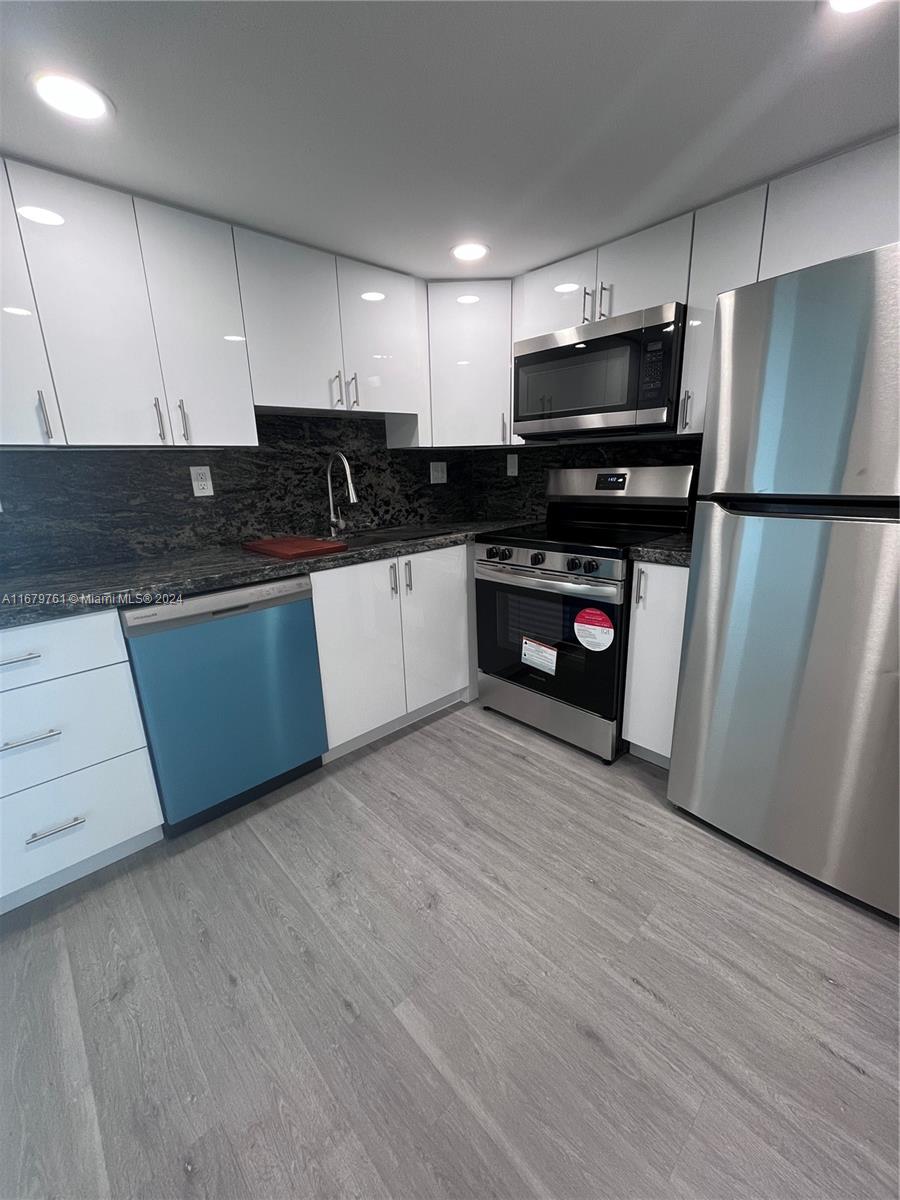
(335, 520)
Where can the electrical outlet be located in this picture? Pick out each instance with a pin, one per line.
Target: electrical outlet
(438, 472)
(201, 478)
(512, 464)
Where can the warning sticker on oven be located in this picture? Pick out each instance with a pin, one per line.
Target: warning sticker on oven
(594, 629)
(536, 654)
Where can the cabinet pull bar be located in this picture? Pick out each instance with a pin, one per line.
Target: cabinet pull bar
(339, 378)
(162, 428)
(353, 382)
(408, 569)
(20, 658)
(639, 586)
(184, 420)
(45, 833)
(686, 408)
(603, 287)
(395, 584)
(587, 303)
(30, 741)
(45, 416)
(503, 428)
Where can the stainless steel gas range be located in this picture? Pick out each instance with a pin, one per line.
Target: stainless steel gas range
(552, 599)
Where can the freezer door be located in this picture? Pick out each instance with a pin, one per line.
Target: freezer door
(787, 716)
(802, 394)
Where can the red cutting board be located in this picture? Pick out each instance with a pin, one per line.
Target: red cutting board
(295, 547)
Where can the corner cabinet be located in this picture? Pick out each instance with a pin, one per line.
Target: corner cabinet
(659, 595)
(393, 638)
(558, 296)
(470, 363)
(196, 306)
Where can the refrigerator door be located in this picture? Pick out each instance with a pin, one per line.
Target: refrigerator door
(803, 383)
(786, 728)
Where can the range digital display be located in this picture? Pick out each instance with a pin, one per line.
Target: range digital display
(611, 481)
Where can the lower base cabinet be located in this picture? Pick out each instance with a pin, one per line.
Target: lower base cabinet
(659, 595)
(393, 638)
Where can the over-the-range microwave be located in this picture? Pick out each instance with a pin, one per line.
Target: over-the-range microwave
(614, 375)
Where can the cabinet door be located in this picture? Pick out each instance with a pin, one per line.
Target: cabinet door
(654, 655)
(28, 414)
(725, 255)
(470, 363)
(92, 296)
(196, 306)
(360, 647)
(384, 321)
(555, 297)
(645, 269)
(293, 325)
(846, 205)
(435, 624)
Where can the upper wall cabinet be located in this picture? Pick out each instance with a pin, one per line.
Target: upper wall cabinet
(727, 241)
(83, 252)
(845, 205)
(645, 269)
(28, 412)
(470, 363)
(293, 325)
(196, 306)
(384, 320)
(554, 297)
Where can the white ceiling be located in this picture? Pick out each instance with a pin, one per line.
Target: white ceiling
(391, 131)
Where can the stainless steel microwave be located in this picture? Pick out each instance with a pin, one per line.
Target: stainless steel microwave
(606, 377)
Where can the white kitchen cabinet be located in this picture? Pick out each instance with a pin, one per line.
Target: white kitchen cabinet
(470, 363)
(842, 206)
(654, 655)
(554, 297)
(725, 255)
(196, 307)
(49, 649)
(293, 323)
(645, 269)
(29, 415)
(91, 294)
(435, 624)
(384, 322)
(360, 637)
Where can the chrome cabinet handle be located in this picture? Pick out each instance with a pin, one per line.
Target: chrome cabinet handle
(601, 288)
(587, 304)
(339, 379)
(353, 382)
(45, 833)
(407, 567)
(30, 741)
(162, 428)
(46, 419)
(639, 586)
(184, 421)
(395, 585)
(686, 408)
(503, 428)
(20, 658)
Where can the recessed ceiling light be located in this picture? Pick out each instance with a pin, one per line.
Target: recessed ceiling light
(71, 96)
(848, 6)
(17, 312)
(43, 216)
(373, 296)
(566, 287)
(466, 299)
(234, 337)
(469, 251)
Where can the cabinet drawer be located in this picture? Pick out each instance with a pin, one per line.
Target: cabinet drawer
(49, 649)
(90, 810)
(66, 724)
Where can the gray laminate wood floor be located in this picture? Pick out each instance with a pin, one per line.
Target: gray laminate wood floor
(467, 962)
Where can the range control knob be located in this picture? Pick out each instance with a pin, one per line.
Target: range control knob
(537, 558)
(573, 564)
(504, 554)
(492, 552)
(589, 566)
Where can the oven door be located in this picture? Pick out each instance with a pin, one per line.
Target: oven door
(560, 638)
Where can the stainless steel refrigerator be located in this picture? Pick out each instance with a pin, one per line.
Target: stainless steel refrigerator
(786, 733)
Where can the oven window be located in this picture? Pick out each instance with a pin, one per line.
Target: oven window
(569, 382)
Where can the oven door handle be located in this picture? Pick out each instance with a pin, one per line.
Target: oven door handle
(534, 581)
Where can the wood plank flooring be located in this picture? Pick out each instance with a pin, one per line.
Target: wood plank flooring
(467, 962)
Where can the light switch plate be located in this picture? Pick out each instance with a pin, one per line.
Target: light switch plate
(512, 464)
(438, 472)
(201, 478)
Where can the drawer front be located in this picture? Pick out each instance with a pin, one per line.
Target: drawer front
(50, 649)
(90, 810)
(65, 724)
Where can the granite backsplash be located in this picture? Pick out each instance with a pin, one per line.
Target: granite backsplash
(98, 506)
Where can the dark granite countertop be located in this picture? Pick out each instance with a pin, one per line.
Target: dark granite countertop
(45, 596)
